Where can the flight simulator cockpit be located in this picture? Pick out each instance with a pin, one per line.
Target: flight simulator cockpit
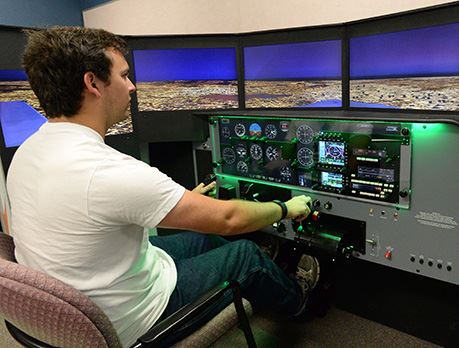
(370, 183)
(363, 117)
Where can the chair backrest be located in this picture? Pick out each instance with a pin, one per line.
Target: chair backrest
(48, 309)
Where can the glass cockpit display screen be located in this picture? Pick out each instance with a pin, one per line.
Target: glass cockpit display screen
(331, 152)
(329, 179)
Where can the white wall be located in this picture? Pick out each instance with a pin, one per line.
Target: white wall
(273, 14)
(158, 17)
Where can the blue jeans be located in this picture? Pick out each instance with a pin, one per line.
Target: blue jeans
(204, 261)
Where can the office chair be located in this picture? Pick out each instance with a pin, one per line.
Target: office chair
(43, 312)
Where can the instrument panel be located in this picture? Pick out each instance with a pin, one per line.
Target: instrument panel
(384, 191)
(361, 160)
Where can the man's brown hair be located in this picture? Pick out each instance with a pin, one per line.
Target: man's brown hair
(56, 60)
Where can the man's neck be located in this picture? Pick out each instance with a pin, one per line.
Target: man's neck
(84, 120)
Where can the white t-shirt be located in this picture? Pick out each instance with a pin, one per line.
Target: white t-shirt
(79, 209)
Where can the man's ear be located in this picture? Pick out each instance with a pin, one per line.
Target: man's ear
(90, 82)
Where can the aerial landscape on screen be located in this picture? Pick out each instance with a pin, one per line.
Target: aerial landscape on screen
(186, 79)
(411, 69)
(15, 87)
(293, 75)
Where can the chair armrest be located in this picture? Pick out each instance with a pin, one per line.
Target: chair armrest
(167, 326)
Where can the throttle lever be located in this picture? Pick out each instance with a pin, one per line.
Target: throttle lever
(209, 178)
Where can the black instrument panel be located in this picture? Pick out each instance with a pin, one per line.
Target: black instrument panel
(369, 160)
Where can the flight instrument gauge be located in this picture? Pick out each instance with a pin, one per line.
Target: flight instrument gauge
(226, 133)
(239, 129)
(272, 153)
(305, 157)
(229, 156)
(255, 130)
(286, 174)
(270, 131)
(242, 167)
(305, 134)
(241, 151)
(256, 152)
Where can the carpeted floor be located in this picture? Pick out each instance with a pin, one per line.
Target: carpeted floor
(337, 329)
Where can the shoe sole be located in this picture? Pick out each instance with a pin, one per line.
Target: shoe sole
(317, 266)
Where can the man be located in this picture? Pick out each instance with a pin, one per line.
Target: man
(80, 209)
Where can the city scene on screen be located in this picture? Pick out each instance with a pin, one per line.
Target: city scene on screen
(14, 86)
(294, 75)
(186, 79)
(16, 94)
(411, 69)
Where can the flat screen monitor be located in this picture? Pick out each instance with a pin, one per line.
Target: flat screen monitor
(20, 111)
(293, 75)
(186, 79)
(410, 69)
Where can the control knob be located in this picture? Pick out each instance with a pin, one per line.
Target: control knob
(328, 205)
(405, 132)
(403, 193)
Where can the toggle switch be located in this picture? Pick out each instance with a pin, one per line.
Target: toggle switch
(371, 242)
(388, 253)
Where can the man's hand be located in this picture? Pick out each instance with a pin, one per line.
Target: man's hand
(298, 207)
(202, 189)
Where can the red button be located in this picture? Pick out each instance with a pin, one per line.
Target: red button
(315, 216)
(388, 254)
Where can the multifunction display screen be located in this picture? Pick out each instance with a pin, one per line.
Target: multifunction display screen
(334, 180)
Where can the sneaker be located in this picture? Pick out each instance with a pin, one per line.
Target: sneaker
(307, 276)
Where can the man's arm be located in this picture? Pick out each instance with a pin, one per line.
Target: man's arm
(200, 213)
